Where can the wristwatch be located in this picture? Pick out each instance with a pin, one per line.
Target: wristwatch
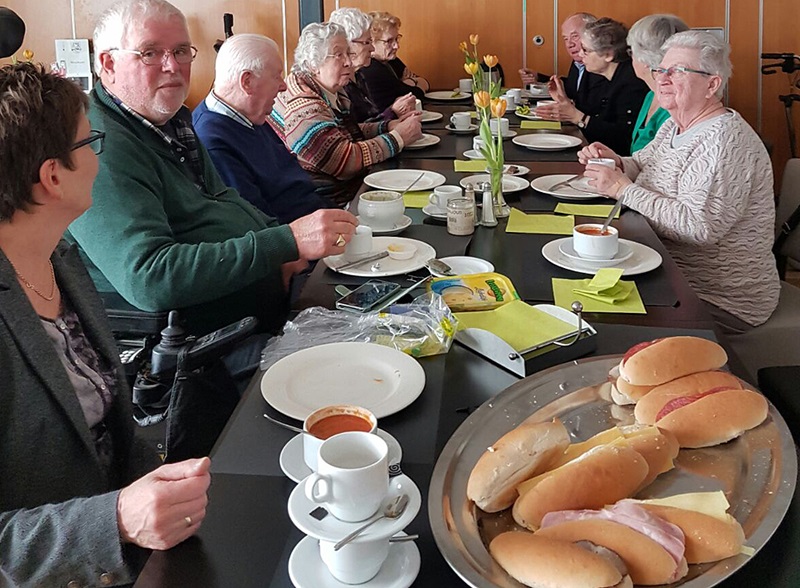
(583, 122)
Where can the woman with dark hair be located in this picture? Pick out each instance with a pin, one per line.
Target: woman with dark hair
(79, 493)
(604, 50)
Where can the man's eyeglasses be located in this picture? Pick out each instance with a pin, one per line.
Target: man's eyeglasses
(390, 41)
(675, 69)
(183, 55)
(94, 140)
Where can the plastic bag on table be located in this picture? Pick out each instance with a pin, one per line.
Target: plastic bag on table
(423, 327)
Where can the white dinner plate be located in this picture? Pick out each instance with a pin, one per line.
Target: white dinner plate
(529, 116)
(578, 189)
(401, 179)
(398, 227)
(520, 170)
(644, 259)
(430, 116)
(544, 93)
(547, 141)
(463, 265)
(307, 570)
(434, 211)
(386, 266)
(468, 131)
(507, 135)
(567, 249)
(510, 183)
(447, 95)
(295, 468)
(378, 378)
(473, 154)
(427, 140)
(332, 529)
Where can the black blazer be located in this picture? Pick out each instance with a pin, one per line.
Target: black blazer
(619, 102)
(383, 82)
(588, 97)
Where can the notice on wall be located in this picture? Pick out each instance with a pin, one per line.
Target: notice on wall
(74, 61)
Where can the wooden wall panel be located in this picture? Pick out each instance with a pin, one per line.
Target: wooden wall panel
(540, 21)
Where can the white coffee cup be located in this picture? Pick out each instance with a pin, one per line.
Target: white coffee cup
(477, 143)
(589, 243)
(465, 84)
(360, 244)
(418, 105)
(381, 209)
(352, 480)
(516, 95)
(318, 431)
(461, 120)
(356, 562)
(503, 125)
(444, 194)
(606, 161)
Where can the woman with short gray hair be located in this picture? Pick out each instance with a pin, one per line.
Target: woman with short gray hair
(646, 39)
(704, 183)
(313, 117)
(357, 27)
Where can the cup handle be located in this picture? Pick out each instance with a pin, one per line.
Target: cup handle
(318, 488)
(452, 120)
(432, 199)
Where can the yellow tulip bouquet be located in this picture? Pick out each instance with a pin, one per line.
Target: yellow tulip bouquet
(486, 95)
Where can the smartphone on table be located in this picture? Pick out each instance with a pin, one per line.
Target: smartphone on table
(367, 296)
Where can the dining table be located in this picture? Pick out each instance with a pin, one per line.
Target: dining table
(247, 537)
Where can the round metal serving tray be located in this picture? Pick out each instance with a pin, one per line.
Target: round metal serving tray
(757, 471)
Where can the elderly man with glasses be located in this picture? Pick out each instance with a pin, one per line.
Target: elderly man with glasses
(164, 230)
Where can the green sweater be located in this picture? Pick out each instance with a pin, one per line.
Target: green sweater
(643, 132)
(155, 238)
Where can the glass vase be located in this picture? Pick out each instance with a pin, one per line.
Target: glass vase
(501, 208)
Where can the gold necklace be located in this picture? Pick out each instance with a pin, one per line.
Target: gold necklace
(34, 288)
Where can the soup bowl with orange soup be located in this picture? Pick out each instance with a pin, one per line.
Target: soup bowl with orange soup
(328, 421)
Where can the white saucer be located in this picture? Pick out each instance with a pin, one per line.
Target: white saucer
(566, 248)
(427, 140)
(435, 211)
(398, 228)
(510, 183)
(307, 570)
(464, 265)
(521, 170)
(473, 154)
(643, 260)
(507, 135)
(295, 468)
(332, 529)
(430, 116)
(468, 131)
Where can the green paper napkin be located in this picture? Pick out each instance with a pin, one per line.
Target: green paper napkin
(623, 297)
(417, 199)
(473, 165)
(598, 210)
(543, 224)
(473, 114)
(517, 323)
(540, 124)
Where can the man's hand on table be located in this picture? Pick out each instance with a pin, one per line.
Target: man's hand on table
(409, 127)
(323, 232)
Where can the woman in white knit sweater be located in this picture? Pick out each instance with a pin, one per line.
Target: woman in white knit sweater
(705, 185)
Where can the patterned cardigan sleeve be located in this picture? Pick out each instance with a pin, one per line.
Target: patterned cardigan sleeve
(309, 127)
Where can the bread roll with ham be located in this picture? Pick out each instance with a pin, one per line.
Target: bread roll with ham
(663, 360)
(648, 407)
(603, 475)
(518, 455)
(546, 563)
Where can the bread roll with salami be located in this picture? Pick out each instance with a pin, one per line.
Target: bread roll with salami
(518, 455)
(663, 360)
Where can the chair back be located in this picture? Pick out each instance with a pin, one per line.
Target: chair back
(787, 247)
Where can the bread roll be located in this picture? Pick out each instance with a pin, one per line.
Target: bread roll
(658, 448)
(663, 360)
(647, 408)
(707, 538)
(715, 418)
(648, 562)
(601, 476)
(516, 456)
(545, 563)
(624, 392)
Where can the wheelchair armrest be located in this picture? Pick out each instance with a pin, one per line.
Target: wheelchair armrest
(126, 319)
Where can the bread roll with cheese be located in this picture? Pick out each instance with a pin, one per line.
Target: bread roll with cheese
(713, 417)
(663, 360)
(545, 563)
(623, 392)
(601, 476)
(648, 406)
(518, 455)
(707, 538)
(658, 448)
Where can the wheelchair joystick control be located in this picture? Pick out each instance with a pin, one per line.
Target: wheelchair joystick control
(173, 338)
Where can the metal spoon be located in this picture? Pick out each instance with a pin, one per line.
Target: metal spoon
(613, 213)
(285, 425)
(437, 266)
(391, 511)
(403, 538)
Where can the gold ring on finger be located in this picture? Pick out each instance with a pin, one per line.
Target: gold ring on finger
(340, 241)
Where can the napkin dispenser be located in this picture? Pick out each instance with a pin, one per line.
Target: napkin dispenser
(545, 355)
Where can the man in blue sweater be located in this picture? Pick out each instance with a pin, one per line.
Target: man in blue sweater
(246, 152)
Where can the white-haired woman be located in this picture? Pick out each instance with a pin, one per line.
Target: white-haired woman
(313, 117)
(705, 184)
(357, 27)
(646, 39)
